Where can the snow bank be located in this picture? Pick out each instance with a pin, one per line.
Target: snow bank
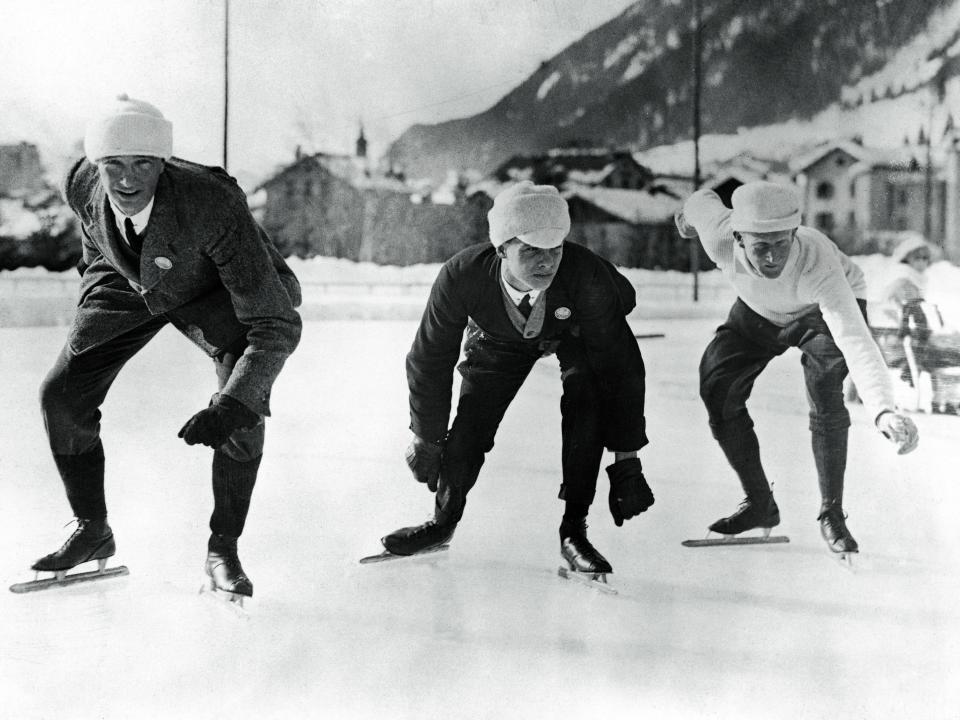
(337, 289)
(16, 221)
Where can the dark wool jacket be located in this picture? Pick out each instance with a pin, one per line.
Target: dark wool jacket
(588, 298)
(206, 266)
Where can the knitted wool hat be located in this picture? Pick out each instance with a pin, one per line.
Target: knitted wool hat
(762, 207)
(129, 127)
(536, 214)
(914, 241)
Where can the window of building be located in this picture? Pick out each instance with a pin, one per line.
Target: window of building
(825, 221)
(902, 196)
(852, 219)
(825, 190)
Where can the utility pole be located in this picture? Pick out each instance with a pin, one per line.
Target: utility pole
(226, 76)
(697, 60)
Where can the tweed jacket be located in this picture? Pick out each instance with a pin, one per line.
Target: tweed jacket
(206, 267)
(588, 299)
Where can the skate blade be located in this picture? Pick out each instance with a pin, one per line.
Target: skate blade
(62, 578)
(765, 539)
(387, 556)
(597, 581)
(232, 601)
(845, 559)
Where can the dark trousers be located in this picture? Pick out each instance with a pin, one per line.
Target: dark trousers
(492, 374)
(70, 399)
(738, 353)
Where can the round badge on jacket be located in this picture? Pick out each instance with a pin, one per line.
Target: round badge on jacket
(163, 262)
(561, 313)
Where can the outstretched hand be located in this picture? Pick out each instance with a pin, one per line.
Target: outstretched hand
(423, 458)
(900, 430)
(685, 229)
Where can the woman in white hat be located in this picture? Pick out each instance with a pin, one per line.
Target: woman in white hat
(913, 325)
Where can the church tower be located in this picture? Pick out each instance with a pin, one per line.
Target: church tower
(361, 144)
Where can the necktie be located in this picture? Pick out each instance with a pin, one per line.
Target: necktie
(524, 306)
(133, 240)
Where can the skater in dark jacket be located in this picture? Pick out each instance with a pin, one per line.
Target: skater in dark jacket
(166, 241)
(525, 295)
(795, 289)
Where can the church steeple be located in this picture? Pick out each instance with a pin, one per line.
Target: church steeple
(361, 144)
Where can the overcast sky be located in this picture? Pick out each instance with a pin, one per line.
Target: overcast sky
(302, 71)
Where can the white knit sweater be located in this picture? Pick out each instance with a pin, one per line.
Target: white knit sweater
(816, 274)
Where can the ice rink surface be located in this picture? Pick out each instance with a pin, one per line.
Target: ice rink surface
(487, 630)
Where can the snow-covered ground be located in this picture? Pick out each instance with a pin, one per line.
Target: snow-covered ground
(489, 630)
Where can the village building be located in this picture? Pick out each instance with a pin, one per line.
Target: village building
(339, 206)
(583, 166)
(20, 170)
(631, 228)
(866, 198)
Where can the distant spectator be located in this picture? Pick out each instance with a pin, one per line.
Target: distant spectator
(904, 309)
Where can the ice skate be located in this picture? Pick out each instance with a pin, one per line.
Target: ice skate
(749, 516)
(833, 528)
(584, 563)
(92, 540)
(428, 538)
(225, 576)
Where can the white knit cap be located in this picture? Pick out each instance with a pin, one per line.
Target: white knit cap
(913, 241)
(762, 207)
(129, 127)
(536, 214)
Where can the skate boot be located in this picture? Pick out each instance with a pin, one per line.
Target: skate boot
(581, 556)
(223, 567)
(418, 538)
(92, 540)
(763, 514)
(833, 527)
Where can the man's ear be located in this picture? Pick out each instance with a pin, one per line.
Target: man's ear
(501, 252)
(738, 238)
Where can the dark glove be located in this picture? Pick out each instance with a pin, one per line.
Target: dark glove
(213, 425)
(629, 493)
(423, 458)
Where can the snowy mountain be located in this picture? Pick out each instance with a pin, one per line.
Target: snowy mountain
(628, 83)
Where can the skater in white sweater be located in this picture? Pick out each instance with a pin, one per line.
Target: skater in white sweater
(795, 289)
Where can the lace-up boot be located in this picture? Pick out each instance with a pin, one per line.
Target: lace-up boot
(751, 514)
(418, 538)
(580, 555)
(92, 540)
(223, 566)
(833, 527)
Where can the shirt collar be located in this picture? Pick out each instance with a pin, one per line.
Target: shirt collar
(139, 220)
(517, 295)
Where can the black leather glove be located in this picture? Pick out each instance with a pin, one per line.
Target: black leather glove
(213, 425)
(629, 493)
(423, 458)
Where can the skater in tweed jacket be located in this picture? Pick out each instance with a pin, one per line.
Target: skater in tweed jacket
(166, 241)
